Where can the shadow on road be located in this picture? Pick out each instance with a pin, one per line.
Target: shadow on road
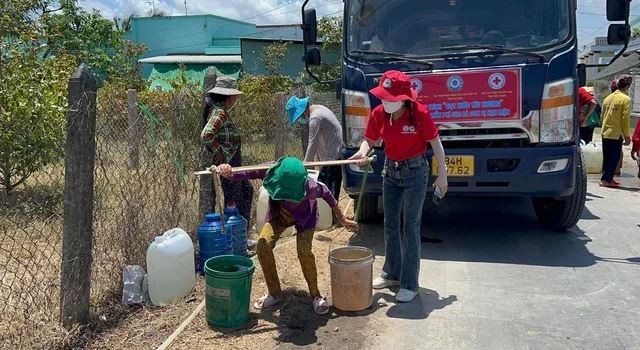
(297, 324)
(493, 230)
(419, 308)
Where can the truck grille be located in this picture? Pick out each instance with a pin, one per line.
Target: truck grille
(484, 137)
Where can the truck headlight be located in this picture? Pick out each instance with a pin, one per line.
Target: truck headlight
(557, 112)
(357, 109)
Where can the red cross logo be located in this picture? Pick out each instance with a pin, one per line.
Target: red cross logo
(497, 81)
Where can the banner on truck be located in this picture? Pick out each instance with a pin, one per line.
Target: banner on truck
(482, 95)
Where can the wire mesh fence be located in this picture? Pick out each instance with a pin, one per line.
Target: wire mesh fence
(147, 148)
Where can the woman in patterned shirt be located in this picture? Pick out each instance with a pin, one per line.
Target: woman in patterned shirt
(221, 137)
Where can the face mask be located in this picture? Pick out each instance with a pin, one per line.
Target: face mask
(391, 107)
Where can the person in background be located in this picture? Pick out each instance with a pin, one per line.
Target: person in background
(587, 101)
(292, 202)
(325, 138)
(616, 114)
(221, 136)
(407, 129)
(614, 87)
(635, 150)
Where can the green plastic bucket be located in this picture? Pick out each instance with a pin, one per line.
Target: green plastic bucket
(228, 290)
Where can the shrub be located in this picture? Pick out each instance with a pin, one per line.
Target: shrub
(32, 113)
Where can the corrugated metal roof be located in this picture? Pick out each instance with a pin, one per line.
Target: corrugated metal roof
(278, 32)
(621, 66)
(193, 59)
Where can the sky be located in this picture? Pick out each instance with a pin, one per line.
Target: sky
(254, 11)
(591, 13)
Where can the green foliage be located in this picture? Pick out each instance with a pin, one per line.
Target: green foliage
(40, 42)
(273, 55)
(330, 32)
(635, 33)
(21, 18)
(95, 41)
(257, 108)
(32, 112)
(256, 84)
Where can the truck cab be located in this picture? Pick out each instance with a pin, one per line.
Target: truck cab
(500, 79)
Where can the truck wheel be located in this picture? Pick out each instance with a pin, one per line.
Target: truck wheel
(369, 208)
(563, 213)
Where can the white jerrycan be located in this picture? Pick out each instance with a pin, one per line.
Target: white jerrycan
(170, 267)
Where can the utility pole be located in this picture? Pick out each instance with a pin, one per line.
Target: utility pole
(153, 7)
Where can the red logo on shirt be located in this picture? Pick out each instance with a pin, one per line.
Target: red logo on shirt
(408, 129)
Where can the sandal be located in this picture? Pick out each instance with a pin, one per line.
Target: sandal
(320, 305)
(266, 302)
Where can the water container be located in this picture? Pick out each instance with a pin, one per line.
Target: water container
(351, 278)
(261, 213)
(228, 290)
(325, 215)
(213, 242)
(238, 225)
(593, 158)
(170, 267)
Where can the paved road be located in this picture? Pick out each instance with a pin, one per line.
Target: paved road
(500, 281)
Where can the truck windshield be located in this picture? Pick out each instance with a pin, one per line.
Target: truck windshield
(422, 28)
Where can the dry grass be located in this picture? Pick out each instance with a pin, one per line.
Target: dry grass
(131, 206)
(292, 324)
(30, 246)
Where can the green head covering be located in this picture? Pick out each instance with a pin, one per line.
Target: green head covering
(286, 180)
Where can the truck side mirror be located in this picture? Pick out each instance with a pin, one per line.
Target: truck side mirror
(310, 27)
(582, 75)
(618, 34)
(312, 57)
(618, 10)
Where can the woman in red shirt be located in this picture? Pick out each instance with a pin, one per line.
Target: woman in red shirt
(636, 146)
(406, 128)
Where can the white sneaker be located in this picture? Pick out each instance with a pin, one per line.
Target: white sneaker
(405, 295)
(381, 283)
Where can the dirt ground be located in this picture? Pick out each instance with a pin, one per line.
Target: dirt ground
(293, 324)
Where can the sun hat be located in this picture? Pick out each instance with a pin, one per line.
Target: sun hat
(286, 180)
(226, 86)
(394, 86)
(295, 107)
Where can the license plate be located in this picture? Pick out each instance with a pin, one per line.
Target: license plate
(456, 166)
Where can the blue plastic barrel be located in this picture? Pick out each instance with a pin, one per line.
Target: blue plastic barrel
(238, 226)
(213, 242)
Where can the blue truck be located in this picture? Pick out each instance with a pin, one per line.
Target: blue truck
(500, 78)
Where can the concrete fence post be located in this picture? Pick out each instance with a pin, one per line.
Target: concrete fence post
(77, 233)
(133, 128)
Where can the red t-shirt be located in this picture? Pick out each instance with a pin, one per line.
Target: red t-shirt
(584, 98)
(636, 138)
(402, 140)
